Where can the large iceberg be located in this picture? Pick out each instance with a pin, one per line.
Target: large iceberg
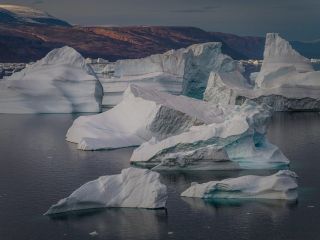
(235, 139)
(281, 185)
(133, 188)
(61, 82)
(141, 115)
(286, 82)
(183, 71)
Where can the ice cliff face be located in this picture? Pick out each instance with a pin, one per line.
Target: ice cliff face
(178, 132)
(286, 82)
(236, 141)
(279, 58)
(182, 71)
(142, 114)
(133, 188)
(281, 185)
(61, 82)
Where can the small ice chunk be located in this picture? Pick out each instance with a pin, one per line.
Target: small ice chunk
(94, 233)
(281, 185)
(133, 188)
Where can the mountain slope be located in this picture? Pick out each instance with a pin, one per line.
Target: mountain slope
(14, 14)
(28, 35)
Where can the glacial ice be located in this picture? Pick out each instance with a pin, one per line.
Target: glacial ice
(281, 185)
(278, 54)
(142, 114)
(235, 139)
(61, 82)
(183, 71)
(286, 82)
(133, 188)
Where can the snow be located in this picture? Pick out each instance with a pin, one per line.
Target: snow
(61, 82)
(142, 114)
(286, 82)
(281, 185)
(183, 71)
(235, 139)
(31, 15)
(133, 188)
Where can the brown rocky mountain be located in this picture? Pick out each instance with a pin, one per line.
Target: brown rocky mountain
(28, 40)
(31, 42)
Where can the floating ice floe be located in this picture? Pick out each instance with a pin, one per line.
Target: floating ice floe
(235, 139)
(281, 185)
(61, 82)
(183, 71)
(133, 188)
(286, 82)
(141, 115)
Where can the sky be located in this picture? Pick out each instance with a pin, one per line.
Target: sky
(294, 19)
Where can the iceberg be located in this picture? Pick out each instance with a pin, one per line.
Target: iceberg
(133, 188)
(234, 140)
(286, 82)
(61, 82)
(278, 54)
(183, 71)
(143, 114)
(281, 185)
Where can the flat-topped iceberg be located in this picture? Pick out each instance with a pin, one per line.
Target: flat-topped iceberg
(141, 115)
(133, 188)
(183, 71)
(281, 185)
(286, 82)
(236, 140)
(61, 82)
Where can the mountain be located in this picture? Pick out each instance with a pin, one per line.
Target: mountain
(14, 14)
(24, 43)
(28, 34)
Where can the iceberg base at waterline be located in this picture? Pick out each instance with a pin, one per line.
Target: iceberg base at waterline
(281, 185)
(133, 188)
(238, 141)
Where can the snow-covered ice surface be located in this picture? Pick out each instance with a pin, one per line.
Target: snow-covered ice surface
(61, 82)
(235, 139)
(281, 185)
(133, 188)
(142, 114)
(183, 71)
(286, 82)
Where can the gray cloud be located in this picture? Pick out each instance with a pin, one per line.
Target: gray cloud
(197, 10)
(36, 2)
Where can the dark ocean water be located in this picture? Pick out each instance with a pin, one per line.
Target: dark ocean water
(37, 168)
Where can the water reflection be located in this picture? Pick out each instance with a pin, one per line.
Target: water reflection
(245, 214)
(40, 167)
(120, 222)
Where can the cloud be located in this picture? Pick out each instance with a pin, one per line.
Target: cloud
(36, 2)
(197, 10)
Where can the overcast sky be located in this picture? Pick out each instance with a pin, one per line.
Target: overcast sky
(294, 19)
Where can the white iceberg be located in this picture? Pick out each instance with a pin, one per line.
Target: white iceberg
(141, 115)
(286, 82)
(278, 54)
(183, 71)
(281, 185)
(234, 140)
(61, 82)
(133, 188)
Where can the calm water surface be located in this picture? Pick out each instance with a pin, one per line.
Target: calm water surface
(37, 168)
